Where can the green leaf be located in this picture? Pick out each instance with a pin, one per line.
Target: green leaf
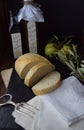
(62, 56)
(71, 52)
(78, 70)
(72, 64)
(72, 73)
(56, 37)
(74, 48)
(82, 61)
(81, 70)
(68, 42)
(82, 65)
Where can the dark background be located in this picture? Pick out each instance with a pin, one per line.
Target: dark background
(62, 17)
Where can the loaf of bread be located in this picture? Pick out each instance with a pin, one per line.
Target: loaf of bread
(47, 84)
(37, 72)
(25, 62)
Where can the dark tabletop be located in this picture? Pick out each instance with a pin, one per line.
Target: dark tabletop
(20, 93)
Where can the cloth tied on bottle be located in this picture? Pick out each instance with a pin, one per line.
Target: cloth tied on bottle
(30, 12)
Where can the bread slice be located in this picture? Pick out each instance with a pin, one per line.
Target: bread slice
(24, 63)
(47, 84)
(37, 72)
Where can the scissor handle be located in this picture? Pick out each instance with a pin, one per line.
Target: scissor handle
(7, 98)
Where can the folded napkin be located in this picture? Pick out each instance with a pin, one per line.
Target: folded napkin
(68, 100)
(65, 104)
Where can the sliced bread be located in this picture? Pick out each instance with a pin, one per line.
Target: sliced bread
(47, 84)
(24, 63)
(37, 72)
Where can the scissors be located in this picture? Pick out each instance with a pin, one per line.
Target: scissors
(23, 107)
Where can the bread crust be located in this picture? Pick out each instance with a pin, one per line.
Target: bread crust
(26, 61)
(37, 72)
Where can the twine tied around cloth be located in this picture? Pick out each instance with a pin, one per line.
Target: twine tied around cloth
(31, 3)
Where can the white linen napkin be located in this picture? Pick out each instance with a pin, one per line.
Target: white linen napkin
(65, 104)
(68, 100)
(25, 117)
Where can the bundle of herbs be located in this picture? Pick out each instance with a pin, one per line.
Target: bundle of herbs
(67, 53)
